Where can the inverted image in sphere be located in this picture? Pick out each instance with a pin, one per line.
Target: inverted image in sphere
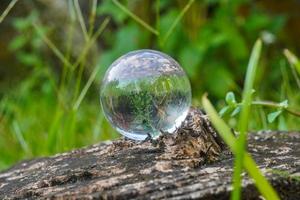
(145, 92)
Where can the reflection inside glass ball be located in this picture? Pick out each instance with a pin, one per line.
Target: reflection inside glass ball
(145, 92)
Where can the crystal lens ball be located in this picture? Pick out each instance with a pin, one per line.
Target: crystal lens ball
(145, 92)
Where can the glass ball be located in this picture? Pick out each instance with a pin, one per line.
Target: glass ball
(145, 92)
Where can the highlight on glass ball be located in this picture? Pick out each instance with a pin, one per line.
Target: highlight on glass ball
(145, 93)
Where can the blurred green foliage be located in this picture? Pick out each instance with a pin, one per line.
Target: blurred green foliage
(211, 39)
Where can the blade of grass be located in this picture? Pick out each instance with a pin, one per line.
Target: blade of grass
(92, 17)
(55, 132)
(263, 118)
(135, 17)
(53, 143)
(68, 140)
(86, 87)
(65, 77)
(81, 20)
(82, 59)
(87, 38)
(243, 121)
(20, 138)
(79, 79)
(60, 97)
(92, 41)
(98, 128)
(294, 63)
(51, 45)
(292, 58)
(176, 21)
(83, 53)
(6, 11)
(249, 164)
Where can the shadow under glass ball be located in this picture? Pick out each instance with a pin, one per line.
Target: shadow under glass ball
(145, 92)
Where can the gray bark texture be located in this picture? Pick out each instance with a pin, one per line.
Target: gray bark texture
(193, 163)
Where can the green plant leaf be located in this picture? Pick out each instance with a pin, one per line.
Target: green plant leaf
(284, 104)
(236, 111)
(29, 59)
(230, 98)
(17, 43)
(272, 116)
(224, 111)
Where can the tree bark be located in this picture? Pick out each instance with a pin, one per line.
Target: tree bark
(190, 164)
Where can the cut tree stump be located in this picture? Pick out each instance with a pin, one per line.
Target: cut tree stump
(191, 164)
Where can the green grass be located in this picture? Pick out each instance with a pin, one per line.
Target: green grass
(54, 106)
(238, 145)
(176, 21)
(47, 114)
(43, 117)
(248, 163)
(135, 17)
(244, 118)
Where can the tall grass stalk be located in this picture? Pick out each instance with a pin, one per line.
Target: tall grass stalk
(135, 17)
(51, 45)
(87, 39)
(91, 42)
(176, 21)
(54, 141)
(69, 123)
(20, 138)
(91, 39)
(66, 78)
(244, 118)
(83, 53)
(249, 164)
(81, 20)
(295, 65)
(85, 88)
(92, 17)
(6, 11)
(292, 58)
(94, 73)
(55, 135)
(66, 119)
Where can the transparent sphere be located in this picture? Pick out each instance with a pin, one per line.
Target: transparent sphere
(145, 92)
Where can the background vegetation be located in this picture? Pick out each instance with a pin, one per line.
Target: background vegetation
(54, 54)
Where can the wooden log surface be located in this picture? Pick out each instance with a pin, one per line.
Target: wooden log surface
(177, 169)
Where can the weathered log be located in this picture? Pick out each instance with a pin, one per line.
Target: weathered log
(191, 164)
